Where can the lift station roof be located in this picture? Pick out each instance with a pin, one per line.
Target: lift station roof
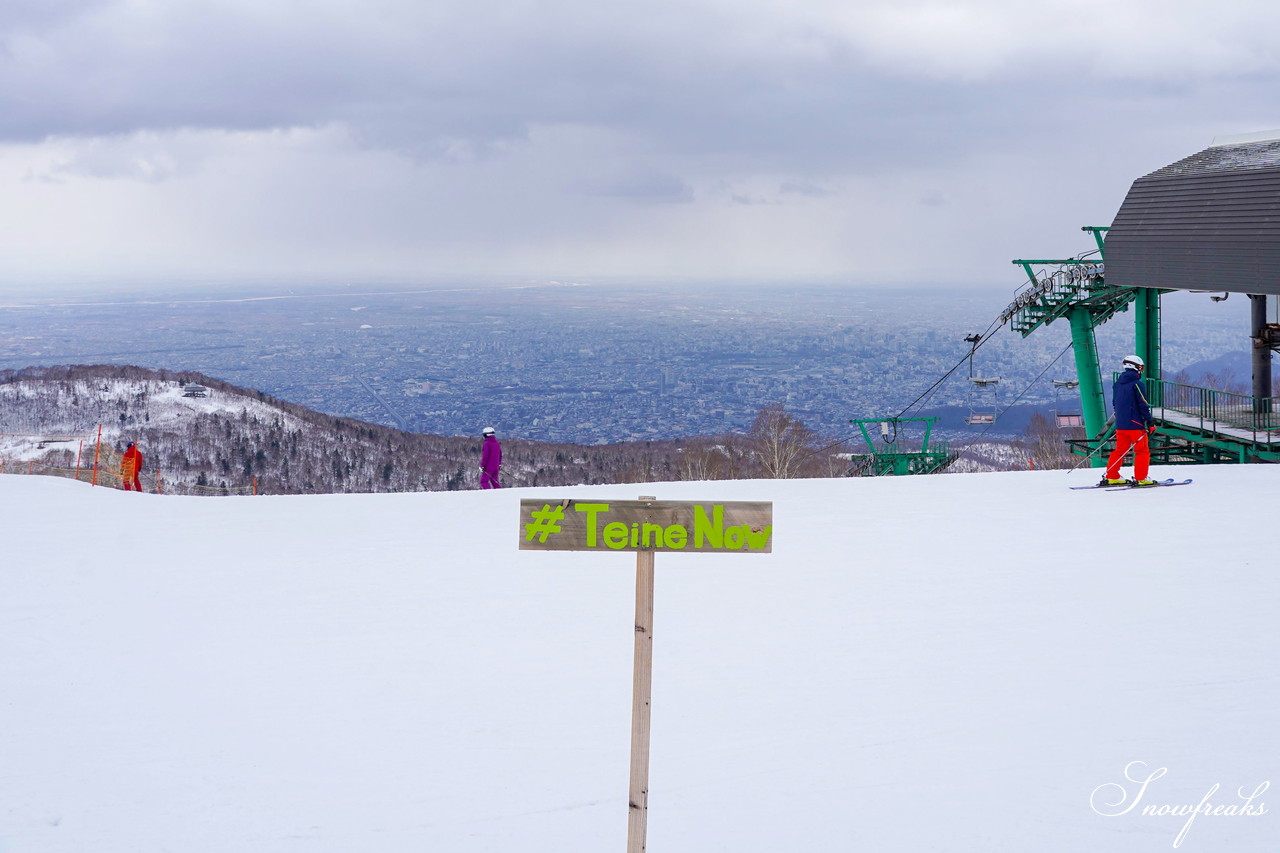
(1210, 221)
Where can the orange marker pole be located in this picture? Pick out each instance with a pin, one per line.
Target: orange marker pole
(97, 450)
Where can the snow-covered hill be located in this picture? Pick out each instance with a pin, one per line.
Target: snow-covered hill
(961, 663)
(234, 439)
(226, 438)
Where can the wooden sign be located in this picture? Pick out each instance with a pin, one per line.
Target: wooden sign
(645, 526)
(741, 527)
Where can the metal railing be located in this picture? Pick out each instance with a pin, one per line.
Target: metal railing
(1215, 410)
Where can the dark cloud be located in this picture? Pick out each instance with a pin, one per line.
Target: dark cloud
(680, 79)
(539, 132)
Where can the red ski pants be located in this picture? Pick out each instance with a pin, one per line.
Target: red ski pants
(129, 477)
(1126, 439)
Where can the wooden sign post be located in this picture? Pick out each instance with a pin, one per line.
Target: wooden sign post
(641, 694)
(645, 526)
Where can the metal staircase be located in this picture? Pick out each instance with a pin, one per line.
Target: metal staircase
(1075, 285)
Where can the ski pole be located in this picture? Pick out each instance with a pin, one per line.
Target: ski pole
(1106, 432)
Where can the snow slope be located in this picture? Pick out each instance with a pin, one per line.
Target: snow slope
(957, 663)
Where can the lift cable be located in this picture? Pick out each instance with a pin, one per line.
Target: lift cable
(968, 357)
(974, 439)
(1021, 394)
(983, 338)
(928, 392)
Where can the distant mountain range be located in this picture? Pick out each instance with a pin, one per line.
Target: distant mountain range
(1230, 372)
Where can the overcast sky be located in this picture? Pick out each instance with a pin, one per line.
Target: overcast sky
(413, 141)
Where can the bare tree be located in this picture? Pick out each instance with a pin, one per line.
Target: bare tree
(1223, 380)
(1046, 444)
(782, 444)
(713, 458)
(701, 460)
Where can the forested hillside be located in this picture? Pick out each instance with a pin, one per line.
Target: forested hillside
(232, 436)
(228, 439)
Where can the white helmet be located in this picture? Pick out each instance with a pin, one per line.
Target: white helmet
(488, 431)
(1134, 361)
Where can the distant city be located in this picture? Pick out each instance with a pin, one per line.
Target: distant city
(595, 364)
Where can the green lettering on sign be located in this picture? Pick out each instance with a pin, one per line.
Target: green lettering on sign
(705, 531)
(561, 524)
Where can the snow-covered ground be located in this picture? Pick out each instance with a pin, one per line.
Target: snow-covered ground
(960, 663)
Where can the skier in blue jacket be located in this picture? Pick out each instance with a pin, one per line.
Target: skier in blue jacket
(1133, 424)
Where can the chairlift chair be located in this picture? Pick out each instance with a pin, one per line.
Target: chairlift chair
(1065, 420)
(983, 388)
(980, 386)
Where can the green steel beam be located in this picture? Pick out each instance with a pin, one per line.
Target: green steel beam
(1215, 447)
(1146, 328)
(1081, 261)
(1086, 307)
(1085, 347)
(1097, 232)
(890, 458)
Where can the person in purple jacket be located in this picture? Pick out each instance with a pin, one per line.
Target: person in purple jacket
(490, 460)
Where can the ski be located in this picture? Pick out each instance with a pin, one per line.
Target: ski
(1131, 485)
(1161, 483)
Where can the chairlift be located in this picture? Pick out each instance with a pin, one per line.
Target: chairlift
(981, 388)
(1065, 420)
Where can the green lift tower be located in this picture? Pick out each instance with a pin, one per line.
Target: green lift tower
(905, 447)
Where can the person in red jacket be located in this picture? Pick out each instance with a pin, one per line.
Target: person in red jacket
(490, 460)
(131, 468)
